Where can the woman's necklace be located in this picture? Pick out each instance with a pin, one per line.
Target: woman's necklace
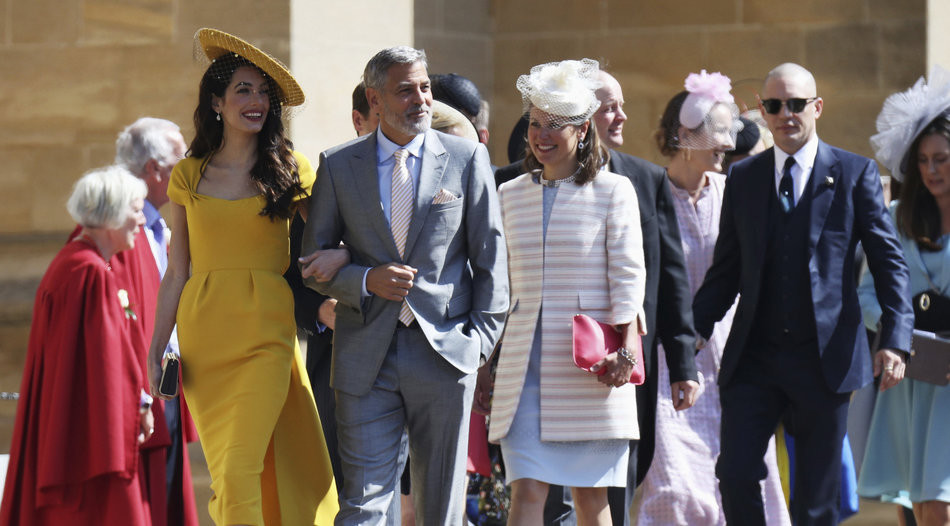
(556, 182)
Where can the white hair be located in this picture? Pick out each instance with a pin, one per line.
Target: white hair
(102, 198)
(146, 139)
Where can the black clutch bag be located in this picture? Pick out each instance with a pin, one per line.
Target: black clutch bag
(931, 311)
(171, 366)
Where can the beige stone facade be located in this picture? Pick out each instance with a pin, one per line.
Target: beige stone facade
(859, 50)
(73, 73)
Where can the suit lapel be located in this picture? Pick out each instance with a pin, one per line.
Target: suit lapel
(762, 186)
(434, 159)
(363, 167)
(823, 181)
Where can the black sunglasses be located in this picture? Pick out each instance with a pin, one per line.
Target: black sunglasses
(774, 106)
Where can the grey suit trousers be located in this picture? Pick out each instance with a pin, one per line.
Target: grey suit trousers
(418, 390)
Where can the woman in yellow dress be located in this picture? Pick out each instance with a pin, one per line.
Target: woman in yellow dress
(243, 376)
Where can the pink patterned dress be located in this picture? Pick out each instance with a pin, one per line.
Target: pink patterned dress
(681, 485)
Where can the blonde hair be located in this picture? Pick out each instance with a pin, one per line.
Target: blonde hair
(447, 119)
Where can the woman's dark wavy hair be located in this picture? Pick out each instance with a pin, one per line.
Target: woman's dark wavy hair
(918, 216)
(275, 171)
(591, 158)
(667, 135)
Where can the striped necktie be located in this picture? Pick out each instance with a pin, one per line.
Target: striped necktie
(401, 215)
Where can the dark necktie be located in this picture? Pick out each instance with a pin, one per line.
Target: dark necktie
(786, 188)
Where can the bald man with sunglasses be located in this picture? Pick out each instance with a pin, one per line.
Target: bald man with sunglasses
(791, 219)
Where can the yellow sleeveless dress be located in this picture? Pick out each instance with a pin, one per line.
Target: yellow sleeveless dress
(243, 375)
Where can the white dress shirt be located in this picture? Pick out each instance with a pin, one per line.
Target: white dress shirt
(801, 172)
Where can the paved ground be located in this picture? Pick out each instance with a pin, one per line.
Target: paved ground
(871, 514)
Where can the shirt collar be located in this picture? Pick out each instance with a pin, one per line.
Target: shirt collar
(151, 214)
(386, 148)
(804, 157)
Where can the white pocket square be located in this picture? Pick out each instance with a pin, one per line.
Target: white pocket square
(444, 196)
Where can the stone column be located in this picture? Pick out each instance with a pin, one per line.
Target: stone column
(938, 40)
(330, 43)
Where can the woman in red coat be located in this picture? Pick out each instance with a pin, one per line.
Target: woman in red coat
(82, 413)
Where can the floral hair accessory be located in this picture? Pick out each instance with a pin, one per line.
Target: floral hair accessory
(564, 90)
(705, 90)
(708, 113)
(905, 115)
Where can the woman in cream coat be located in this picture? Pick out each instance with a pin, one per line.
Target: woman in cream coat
(574, 245)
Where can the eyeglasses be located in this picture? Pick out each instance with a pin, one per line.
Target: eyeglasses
(774, 106)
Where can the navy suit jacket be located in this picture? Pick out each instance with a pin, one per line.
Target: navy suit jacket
(847, 208)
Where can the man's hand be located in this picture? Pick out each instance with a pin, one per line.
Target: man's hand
(391, 281)
(888, 362)
(324, 264)
(326, 314)
(700, 343)
(483, 386)
(684, 393)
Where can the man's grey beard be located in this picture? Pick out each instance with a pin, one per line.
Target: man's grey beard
(419, 127)
(400, 122)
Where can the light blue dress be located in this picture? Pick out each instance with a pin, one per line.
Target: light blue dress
(907, 457)
(581, 464)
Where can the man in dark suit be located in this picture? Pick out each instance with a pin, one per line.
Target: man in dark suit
(666, 303)
(791, 219)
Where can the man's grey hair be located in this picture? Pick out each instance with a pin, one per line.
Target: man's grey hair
(146, 139)
(103, 197)
(374, 76)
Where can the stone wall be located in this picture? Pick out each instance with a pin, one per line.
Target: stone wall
(859, 50)
(73, 73)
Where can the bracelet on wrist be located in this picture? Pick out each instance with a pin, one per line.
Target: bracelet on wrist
(627, 356)
(145, 402)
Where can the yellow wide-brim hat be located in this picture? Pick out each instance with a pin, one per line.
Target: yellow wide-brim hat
(216, 43)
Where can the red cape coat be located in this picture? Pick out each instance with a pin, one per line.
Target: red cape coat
(74, 457)
(137, 272)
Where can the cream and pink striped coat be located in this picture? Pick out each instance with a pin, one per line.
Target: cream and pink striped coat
(590, 263)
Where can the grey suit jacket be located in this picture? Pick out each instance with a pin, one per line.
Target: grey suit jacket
(460, 293)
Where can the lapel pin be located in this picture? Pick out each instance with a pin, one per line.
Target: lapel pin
(829, 181)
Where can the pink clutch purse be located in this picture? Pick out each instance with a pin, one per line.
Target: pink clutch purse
(593, 340)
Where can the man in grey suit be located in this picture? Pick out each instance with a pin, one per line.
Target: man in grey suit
(422, 302)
